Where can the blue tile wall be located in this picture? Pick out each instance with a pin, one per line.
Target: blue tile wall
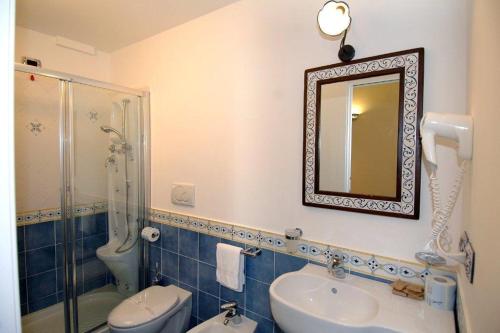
(40, 256)
(187, 259)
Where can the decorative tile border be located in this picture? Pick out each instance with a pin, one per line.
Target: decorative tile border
(54, 214)
(360, 262)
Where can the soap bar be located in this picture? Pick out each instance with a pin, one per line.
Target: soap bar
(399, 285)
(399, 293)
(407, 289)
(415, 288)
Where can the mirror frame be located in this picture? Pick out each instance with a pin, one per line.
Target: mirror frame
(406, 204)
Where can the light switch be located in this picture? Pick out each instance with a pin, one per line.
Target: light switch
(182, 194)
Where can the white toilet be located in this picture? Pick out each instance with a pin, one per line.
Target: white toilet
(124, 266)
(154, 310)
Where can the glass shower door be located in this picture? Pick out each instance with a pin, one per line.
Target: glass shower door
(106, 199)
(81, 187)
(39, 111)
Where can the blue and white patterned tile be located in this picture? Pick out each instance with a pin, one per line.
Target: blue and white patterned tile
(356, 261)
(417, 273)
(246, 235)
(179, 220)
(423, 274)
(161, 217)
(373, 264)
(54, 214)
(50, 215)
(100, 207)
(386, 269)
(28, 217)
(267, 240)
(84, 210)
(303, 248)
(364, 263)
(279, 243)
(391, 269)
(408, 273)
(220, 229)
(199, 224)
(239, 234)
(316, 252)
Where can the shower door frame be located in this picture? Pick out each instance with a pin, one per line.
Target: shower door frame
(66, 160)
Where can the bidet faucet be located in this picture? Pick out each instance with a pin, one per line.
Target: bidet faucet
(232, 315)
(334, 266)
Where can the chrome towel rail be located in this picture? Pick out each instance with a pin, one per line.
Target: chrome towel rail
(252, 252)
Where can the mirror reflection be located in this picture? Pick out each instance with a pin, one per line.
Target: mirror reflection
(358, 136)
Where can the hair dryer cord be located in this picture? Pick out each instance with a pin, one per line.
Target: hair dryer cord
(441, 215)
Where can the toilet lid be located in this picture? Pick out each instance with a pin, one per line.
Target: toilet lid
(144, 307)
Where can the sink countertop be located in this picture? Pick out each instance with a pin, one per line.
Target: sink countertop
(395, 313)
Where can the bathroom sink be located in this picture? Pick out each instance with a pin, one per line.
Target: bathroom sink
(216, 325)
(311, 300)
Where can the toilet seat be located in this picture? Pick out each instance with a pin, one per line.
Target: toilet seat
(144, 307)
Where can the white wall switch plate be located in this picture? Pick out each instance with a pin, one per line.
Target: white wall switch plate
(182, 194)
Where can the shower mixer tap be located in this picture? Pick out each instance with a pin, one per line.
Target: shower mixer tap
(111, 161)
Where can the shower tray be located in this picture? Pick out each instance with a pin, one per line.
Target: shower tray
(93, 310)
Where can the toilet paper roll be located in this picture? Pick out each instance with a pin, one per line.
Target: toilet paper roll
(440, 292)
(150, 234)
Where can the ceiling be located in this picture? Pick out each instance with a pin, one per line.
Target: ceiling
(109, 25)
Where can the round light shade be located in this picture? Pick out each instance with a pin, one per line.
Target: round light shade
(333, 18)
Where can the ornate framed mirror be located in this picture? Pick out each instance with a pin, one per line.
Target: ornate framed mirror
(361, 135)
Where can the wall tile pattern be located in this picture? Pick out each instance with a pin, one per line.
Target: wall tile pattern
(40, 256)
(185, 256)
(378, 267)
(54, 214)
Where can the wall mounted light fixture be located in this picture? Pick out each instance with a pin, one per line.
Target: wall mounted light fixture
(333, 20)
(355, 111)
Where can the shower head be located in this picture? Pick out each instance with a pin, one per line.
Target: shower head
(109, 129)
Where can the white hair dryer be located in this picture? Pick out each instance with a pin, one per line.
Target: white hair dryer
(452, 126)
(455, 127)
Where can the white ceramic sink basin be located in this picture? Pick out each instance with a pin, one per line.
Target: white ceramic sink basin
(310, 300)
(216, 325)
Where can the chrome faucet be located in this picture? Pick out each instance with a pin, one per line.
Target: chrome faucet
(335, 268)
(157, 278)
(232, 315)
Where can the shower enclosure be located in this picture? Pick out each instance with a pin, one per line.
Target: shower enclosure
(82, 178)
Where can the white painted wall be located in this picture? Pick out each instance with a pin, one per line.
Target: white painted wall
(227, 109)
(42, 46)
(37, 151)
(482, 204)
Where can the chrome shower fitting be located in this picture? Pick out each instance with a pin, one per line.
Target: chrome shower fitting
(111, 161)
(109, 129)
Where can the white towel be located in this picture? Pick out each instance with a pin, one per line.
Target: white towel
(230, 266)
